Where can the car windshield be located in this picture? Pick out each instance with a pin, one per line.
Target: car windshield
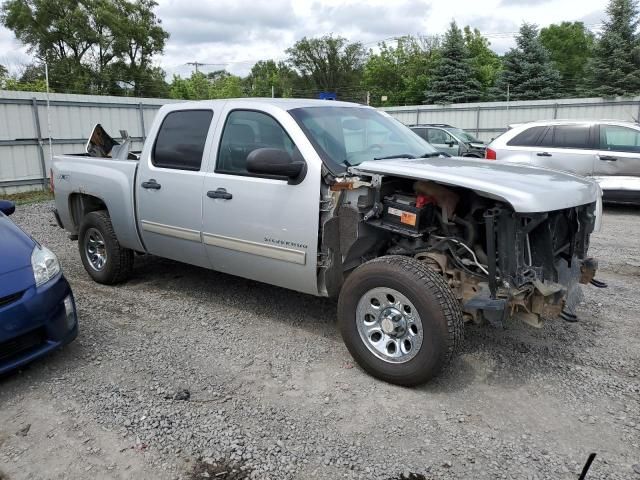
(348, 136)
(467, 137)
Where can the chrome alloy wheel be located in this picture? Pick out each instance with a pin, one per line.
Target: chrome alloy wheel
(389, 325)
(94, 249)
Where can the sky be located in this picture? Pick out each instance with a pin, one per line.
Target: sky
(233, 34)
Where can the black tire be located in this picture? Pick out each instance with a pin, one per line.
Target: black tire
(119, 260)
(437, 306)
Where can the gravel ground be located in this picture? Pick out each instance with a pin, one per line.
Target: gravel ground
(187, 373)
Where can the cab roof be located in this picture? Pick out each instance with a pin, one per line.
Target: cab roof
(283, 103)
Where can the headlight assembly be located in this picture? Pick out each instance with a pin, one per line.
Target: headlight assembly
(45, 264)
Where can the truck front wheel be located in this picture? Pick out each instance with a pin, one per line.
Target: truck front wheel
(399, 319)
(102, 256)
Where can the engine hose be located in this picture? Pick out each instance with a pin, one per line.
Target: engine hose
(468, 226)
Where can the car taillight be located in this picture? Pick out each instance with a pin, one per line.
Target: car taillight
(490, 154)
(51, 185)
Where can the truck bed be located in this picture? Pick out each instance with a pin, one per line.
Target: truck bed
(105, 178)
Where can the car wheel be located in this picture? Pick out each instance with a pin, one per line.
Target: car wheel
(400, 320)
(102, 256)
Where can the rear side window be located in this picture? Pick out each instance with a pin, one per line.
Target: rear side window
(244, 132)
(528, 138)
(422, 132)
(619, 139)
(567, 136)
(181, 138)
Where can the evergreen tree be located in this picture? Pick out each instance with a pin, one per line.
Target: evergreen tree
(528, 72)
(453, 80)
(615, 66)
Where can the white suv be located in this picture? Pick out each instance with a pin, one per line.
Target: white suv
(608, 151)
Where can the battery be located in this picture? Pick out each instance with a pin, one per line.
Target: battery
(401, 210)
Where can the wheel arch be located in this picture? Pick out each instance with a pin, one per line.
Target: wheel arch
(123, 220)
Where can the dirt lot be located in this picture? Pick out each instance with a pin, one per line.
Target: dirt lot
(187, 373)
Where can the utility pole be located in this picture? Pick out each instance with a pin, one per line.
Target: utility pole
(368, 97)
(195, 64)
(508, 102)
(273, 92)
(46, 76)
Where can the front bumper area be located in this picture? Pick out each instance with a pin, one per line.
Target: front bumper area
(533, 301)
(620, 189)
(40, 320)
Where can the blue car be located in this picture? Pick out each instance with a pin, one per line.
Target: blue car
(37, 309)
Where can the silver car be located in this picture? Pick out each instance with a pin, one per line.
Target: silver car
(608, 151)
(450, 140)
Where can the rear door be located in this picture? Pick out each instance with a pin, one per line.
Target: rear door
(619, 152)
(259, 227)
(169, 186)
(443, 141)
(570, 147)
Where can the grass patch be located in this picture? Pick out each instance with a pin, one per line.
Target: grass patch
(35, 196)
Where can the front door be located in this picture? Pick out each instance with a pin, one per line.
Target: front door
(443, 141)
(169, 187)
(619, 152)
(259, 227)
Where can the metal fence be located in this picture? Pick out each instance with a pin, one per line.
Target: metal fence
(26, 125)
(488, 120)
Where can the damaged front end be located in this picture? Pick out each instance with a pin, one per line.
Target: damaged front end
(536, 263)
(499, 263)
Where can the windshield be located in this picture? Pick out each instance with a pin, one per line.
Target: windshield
(348, 136)
(465, 136)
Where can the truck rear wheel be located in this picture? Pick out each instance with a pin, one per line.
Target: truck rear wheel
(102, 256)
(399, 319)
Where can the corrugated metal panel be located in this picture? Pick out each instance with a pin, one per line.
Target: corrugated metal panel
(69, 117)
(489, 119)
(72, 117)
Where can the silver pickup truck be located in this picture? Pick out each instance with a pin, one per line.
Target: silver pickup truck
(339, 200)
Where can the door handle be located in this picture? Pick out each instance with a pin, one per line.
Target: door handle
(152, 184)
(543, 154)
(219, 193)
(607, 158)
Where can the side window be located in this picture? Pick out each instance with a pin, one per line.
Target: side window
(528, 138)
(422, 132)
(244, 132)
(180, 140)
(435, 136)
(619, 139)
(570, 136)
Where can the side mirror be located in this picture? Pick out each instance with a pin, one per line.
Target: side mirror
(7, 207)
(451, 143)
(277, 162)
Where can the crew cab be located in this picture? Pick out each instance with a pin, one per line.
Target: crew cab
(339, 200)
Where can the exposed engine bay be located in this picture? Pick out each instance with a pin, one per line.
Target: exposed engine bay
(500, 264)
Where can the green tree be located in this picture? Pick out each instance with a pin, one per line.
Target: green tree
(218, 84)
(528, 73)
(222, 84)
(485, 62)
(328, 63)
(401, 72)
(138, 36)
(91, 46)
(453, 79)
(615, 66)
(266, 74)
(570, 46)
